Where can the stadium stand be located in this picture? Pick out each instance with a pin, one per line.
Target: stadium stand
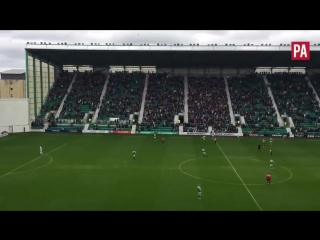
(208, 105)
(70, 126)
(164, 100)
(38, 123)
(57, 93)
(295, 98)
(84, 96)
(123, 97)
(250, 98)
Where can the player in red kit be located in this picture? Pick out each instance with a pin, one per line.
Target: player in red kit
(270, 152)
(268, 178)
(162, 140)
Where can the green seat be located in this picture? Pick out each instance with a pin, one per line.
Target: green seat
(121, 92)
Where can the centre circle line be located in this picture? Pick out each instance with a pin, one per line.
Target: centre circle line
(227, 183)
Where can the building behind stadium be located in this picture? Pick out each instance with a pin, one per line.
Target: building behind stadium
(13, 84)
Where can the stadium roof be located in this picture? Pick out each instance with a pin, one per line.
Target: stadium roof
(14, 71)
(172, 56)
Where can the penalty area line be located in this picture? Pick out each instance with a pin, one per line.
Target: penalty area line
(240, 178)
(31, 161)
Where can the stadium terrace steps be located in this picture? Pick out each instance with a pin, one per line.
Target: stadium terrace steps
(49, 103)
(250, 99)
(280, 121)
(186, 108)
(65, 97)
(229, 102)
(240, 131)
(56, 93)
(145, 89)
(164, 99)
(208, 105)
(290, 132)
(84, 95)
(123, 96)
(313, 89)
(85, 108)
(104, 90)
(295, 99)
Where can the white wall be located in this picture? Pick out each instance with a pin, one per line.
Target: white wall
(14, 112)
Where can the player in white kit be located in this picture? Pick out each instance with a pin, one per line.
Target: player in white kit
(199, 192)
(271, 164)
(41, 153)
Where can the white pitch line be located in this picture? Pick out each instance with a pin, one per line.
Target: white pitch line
(240, 178)
(31, 161)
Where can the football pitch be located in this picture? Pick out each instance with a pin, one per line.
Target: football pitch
(97, 172)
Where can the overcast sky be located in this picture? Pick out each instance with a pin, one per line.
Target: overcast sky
(12, 43)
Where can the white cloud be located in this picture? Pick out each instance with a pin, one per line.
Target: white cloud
(12, 43)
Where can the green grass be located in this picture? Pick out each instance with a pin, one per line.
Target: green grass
(97, 172)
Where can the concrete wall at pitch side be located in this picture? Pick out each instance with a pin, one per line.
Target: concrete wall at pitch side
(15, 113)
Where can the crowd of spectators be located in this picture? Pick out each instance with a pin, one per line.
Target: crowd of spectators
(208, 105)
(250, 98)
(37, 123)
(164, 99)
(124, 94)
(305, 130)
(86, 90)
(294, 97)
(57, 92)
